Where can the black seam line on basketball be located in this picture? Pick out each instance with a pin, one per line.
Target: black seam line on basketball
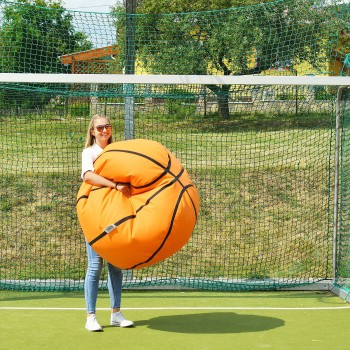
(155, 194)
(160, 190)
(99, 188)
(86, 196)
(104, 233)
(177, 176)
(141, 155)
(194, 207)
(166, 169)
(81, 197)
(169, 230)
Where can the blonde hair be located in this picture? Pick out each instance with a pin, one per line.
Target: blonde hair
(90, 139)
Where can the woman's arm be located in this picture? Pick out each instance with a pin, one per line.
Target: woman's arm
(98, 180)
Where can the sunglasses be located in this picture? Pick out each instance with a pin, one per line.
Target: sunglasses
(100, 128)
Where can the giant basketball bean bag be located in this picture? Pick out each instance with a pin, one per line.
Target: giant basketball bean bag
(155, 221)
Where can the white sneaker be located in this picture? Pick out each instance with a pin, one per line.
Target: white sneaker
(92, 324)
(117, 319)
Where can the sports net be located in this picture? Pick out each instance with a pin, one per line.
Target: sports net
(262, 153)
(265, 175)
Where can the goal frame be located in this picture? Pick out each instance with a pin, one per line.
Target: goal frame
(342, 82)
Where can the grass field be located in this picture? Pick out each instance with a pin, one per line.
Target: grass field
(178, 320)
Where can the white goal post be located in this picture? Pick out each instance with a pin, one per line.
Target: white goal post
(175, 79)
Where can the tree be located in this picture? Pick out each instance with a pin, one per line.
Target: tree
(33, 34)
(230, 41)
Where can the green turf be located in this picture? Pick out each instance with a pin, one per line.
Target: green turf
(197, 321)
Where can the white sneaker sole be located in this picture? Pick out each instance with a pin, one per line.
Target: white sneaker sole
(94, 330)
(123, 325)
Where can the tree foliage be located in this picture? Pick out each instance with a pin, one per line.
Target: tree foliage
(33, 34)
(219, 37)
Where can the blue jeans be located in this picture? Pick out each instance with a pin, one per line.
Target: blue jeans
(92, 279)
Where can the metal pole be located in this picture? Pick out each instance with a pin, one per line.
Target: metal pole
(129, 69)
(336, 182)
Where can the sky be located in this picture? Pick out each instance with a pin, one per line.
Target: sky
(89, 5)
(104, 5)
(100, 31)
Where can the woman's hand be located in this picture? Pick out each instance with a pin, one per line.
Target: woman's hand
(123, 188)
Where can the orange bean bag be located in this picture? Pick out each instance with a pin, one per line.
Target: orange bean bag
(151, 225)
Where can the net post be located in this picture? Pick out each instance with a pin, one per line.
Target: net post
(129, 128)
(336, 183)
(129, 69)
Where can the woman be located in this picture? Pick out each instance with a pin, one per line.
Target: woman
(99, 135)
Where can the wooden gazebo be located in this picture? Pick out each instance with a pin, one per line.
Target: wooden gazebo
(95, 61)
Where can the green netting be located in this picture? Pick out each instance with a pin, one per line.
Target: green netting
(343, 246)
(292, 37)
(261, 156)
(263, 175)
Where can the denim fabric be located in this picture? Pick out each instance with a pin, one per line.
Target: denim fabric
(92, 278)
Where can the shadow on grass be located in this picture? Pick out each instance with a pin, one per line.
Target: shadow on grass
(212, 323)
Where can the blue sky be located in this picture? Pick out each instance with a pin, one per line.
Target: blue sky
(104, 5)
(89, 5)
(100, 31)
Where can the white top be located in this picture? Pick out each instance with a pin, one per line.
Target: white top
(88, 157)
